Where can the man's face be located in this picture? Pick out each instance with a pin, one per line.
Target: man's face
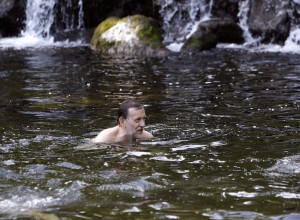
(135, 122)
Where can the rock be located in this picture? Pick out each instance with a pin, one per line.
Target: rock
(12, 17)
(226, 9)
(132, 35)
(226, 30)
(269, 20)
(295, 12)
(202, 39)
(214, 31)
(6, 6)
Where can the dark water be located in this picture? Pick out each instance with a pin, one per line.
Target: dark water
(226, 126)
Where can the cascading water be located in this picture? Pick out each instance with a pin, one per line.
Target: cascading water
(243, 17)
(292, 43)
(69, 19)
(181, 19)
(40, 18)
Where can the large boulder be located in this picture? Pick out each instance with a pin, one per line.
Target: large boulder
(269, 20)
(226, 30)
(214, 31)
(12, 17)
(132, 35)
(202, 39)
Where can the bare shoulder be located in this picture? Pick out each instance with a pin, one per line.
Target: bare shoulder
(106, 136)
(147, 135)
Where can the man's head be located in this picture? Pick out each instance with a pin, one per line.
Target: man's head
(131, 117)
(125, 106)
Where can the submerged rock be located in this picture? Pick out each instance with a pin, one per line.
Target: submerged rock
(132, 35)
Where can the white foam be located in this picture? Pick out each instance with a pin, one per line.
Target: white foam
(175, 47)
(154, 143)
(164, 158)
(69, 165)
(22, 199)
(138, 185)
(30, 41)
(133, 209)
(188, 147)
(291, 45)
(9, 162)
(217, 144)
(197, 162)
(286, 166)
(138, 153)
(160, 206)
(288, 195)
(172, 217)
(243, 194)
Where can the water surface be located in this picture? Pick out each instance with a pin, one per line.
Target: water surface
(226, 126)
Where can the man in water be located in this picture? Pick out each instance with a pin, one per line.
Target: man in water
(131, 123)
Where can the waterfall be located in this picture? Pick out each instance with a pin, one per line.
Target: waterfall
(181, 19)
(292, 43)
(81, 15)
(68, 18)
(40, 19)
(243, 17)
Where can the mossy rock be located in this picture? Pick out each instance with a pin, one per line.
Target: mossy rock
(132, 35)
(147, 29)
(102, 27)
(203, 39)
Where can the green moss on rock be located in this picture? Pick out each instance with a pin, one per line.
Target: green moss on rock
(202, 40)
(147, 30)
(144, 31)
(102, 27)
(151, 35)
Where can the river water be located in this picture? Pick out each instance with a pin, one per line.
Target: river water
(226, 125)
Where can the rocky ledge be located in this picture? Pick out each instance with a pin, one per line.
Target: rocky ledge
(212, 32)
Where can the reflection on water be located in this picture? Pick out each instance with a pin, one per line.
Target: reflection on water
(226, 127)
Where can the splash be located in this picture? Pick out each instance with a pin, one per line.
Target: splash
(291, 45)
(243, 17)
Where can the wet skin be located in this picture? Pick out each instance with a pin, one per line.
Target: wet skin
(129, 129)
